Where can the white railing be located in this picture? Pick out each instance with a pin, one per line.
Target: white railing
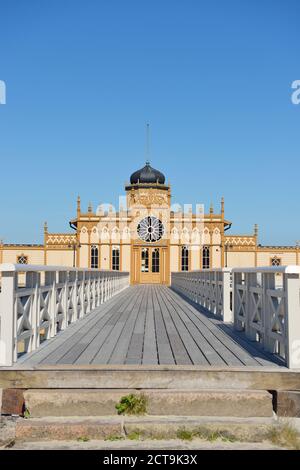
(209, 288)
(266, 305)
(36, 302)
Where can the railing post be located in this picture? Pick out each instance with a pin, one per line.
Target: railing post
(51, 279)
(292, 288)
(64, 276)
(82, 294)
(250, 281)
(268, 282)
(237, 304)
(227, 312)
(101, 288)
(235, 279)
(112, 285)
(98, 291)
(35, 312)
(107, 287)
(8, 342)
(103, 282)
(74, 277)
(109, 278)
(89, 291)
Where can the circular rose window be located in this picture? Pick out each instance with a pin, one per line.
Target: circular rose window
(150, 229)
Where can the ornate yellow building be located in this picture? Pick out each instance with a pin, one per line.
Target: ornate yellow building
(149, 238)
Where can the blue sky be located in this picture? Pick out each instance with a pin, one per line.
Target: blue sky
(213, 78)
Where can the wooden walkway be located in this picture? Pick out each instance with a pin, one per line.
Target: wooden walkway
(148, 325)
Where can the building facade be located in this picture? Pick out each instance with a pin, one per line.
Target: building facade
(150, 238)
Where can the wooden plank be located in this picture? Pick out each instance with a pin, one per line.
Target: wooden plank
(84, 336)
(212, 356)
(212, 336)
(208, 329)
(92, 345)
(245, 354)
(89, 331)
(106, 350)
(68, 337)
(179, 351)
(194, 351)
(120, 351)
(150, 343)
(261, 356)
(165, 354)
(135, 347)
(149, 324)
(54, 343)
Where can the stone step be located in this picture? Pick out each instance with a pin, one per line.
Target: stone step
(145, 444)
(142, 377)
(114, 428)
(288, 403)
(93, 402)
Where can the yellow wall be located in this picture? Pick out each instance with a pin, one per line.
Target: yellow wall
(35, 256)
(264, 258)
(195, 258)
(174, 258)
(60, 257)
(105, 257)
(240, 259)
(126, 256)
(65, 257)
(216, 256)
(84, 256)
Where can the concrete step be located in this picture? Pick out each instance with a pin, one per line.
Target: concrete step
(94, 402)
(114, 428)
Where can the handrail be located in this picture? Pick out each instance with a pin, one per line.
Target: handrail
(210, 288)
(10, 267)
(289, 269)
(36, 302)
(265, 304)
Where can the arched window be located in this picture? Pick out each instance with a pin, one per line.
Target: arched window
(145, 260)
(115, 264)
(155, 260)
(94, 257)
(184, 258)
(205, 257)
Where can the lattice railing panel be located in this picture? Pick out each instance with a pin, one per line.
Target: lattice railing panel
(268, 311)
(208, 288)
(38, 311)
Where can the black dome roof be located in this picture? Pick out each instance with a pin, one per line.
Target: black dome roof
(147, 174)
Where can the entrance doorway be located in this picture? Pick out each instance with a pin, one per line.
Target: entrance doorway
(150, 265)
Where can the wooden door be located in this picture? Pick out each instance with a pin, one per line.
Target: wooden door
(150, 265)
